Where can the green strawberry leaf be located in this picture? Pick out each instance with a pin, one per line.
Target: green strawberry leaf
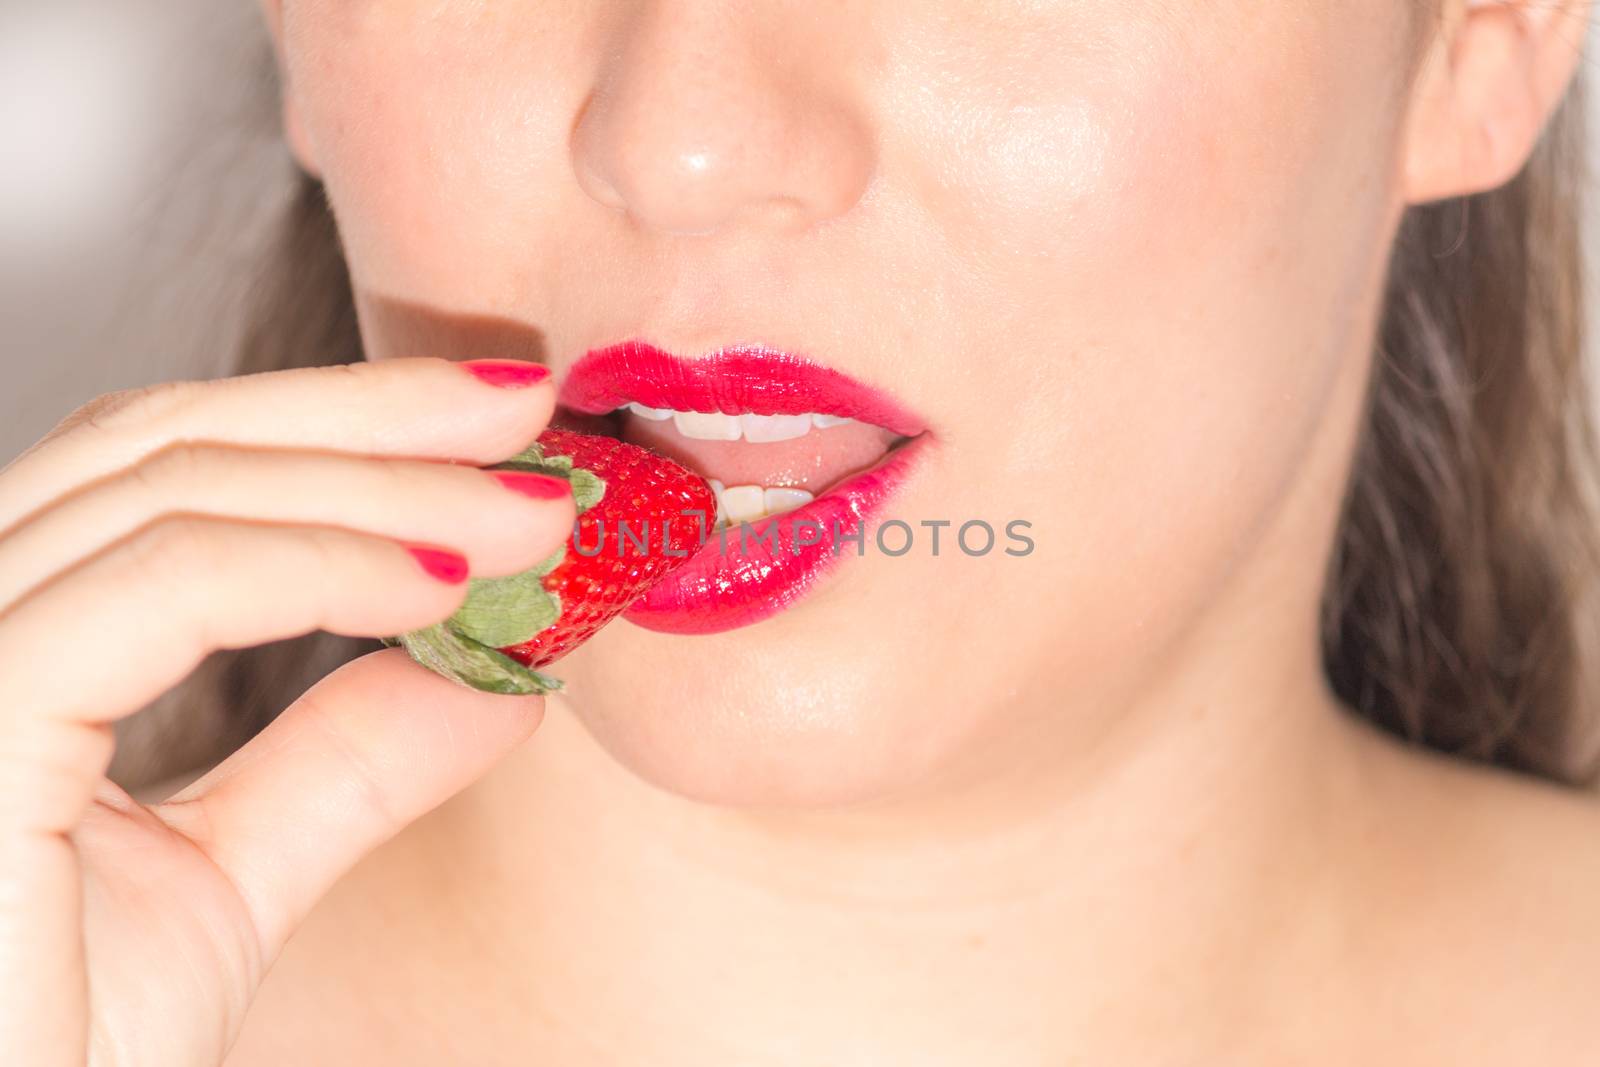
(509, 610)
(532, 456)
(499, 612)
(464, 660)
(588, 488)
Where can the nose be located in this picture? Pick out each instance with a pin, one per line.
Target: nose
(704, 116)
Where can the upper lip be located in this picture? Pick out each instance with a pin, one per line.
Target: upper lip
(733, 380)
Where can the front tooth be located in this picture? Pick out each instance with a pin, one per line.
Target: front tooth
(822, 422)
(653, 414)
(777, 501)
(761, 429)
(707, 425)
(743, 503)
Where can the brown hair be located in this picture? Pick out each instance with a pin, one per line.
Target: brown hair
(1462, 608)
(1462, 604)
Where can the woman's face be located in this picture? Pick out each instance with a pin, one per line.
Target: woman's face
(1120, 259)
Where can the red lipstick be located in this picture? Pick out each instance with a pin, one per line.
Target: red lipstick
(750, 571)
(753, 378)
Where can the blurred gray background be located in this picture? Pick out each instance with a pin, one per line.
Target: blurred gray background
(141, 186)
(142, 183)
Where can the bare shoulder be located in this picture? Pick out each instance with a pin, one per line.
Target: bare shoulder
(1488, 882)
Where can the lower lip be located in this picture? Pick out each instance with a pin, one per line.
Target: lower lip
(726, 588)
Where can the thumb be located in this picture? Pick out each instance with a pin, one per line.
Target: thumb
(371, 747)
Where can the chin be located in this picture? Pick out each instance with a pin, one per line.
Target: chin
(740, 720)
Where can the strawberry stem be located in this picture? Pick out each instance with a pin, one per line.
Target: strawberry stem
(461, 659)
(500, 612)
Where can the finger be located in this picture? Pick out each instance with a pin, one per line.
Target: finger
(416, 407)
(118, 629)
(113, 633)
(370, 748)
(494, 518)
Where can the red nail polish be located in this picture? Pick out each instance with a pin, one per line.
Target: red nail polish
(441, 563)
(507, 373)
(530, 483)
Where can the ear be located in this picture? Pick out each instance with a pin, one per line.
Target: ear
(293, 129)
(1493, 73)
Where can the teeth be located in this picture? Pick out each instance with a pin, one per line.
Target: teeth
(653, 414)
(707, 426)
(759, 429)
(718, 488)
(747, 503)
(743, 503)
(777, 501)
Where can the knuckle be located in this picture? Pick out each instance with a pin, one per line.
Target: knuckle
(364, 775)
(104, 406)
(174, 545)
(126, 408)
(399, 475)
(50, 768)
(330, 549)
(346, 560)
(177, 464)
(90, 415)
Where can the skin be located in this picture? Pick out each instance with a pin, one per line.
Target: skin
(1097, 805)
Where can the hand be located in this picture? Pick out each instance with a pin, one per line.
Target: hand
(155, 526)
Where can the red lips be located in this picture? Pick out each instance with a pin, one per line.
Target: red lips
(731, 380)
(761, 567)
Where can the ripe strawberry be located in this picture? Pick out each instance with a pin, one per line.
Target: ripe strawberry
(508, 626)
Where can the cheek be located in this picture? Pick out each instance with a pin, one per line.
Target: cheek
(1221, 263)
(1173, 151)
(1171, 246)
(431, 134)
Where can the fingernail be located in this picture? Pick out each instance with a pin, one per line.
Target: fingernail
(441, 563)
(530, 483)
(506, 373)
